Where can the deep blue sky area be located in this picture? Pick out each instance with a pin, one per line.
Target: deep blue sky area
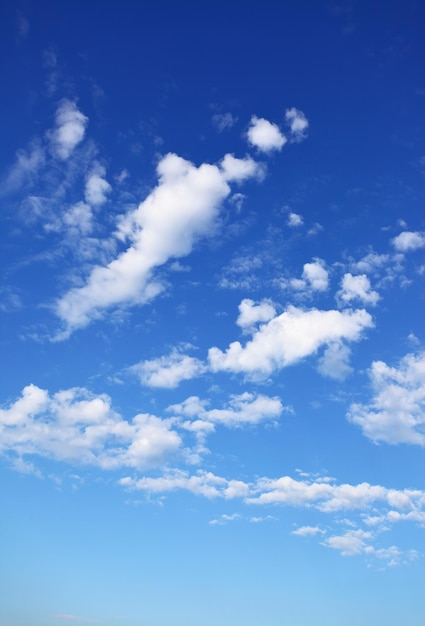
(212, 405)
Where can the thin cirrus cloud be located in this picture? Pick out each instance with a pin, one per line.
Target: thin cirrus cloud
(181, 209)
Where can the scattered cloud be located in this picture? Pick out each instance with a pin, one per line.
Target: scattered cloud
(295, 220)
(289, 337)
(69, 129)
(396, 412)
(224, 121)
(97, 188)
(307, 531)
(298, 124)
(265, 135)
(357, 288)
(168, 371)
(408, 241)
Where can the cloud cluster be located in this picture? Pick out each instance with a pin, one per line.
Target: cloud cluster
(357, 288)
(396, 412)
(78, 427)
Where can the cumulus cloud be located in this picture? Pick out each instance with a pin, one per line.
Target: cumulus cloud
(289, 337)
(295, 220)
(396, 412)
(408, 241)
(168, 371)
(182, 208)
(357, 288)
(315, 277)
(69, 131)
(298, 124)
(81, 428)
(350, 543)
(265, 135)
(97, 188)
(251, 314)
(238, 170)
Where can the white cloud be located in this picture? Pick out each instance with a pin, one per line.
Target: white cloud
(81, 428)
(264, 135)
(396, 412)
(357, 288)
(168, 371)
(79, 219)
(350, 543)
(316, 275)
(251, 313)
(182, 208)
(97, 188)
(238, 170)
(245, 408)
(295, 220)
(25, 170)
(335, 361)
(69, 130)
(406, 241)
(307, 531)
(224, 121)
(298, 124)
(288, 338)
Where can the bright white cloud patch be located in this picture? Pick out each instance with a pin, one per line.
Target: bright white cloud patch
(238, 170)
(298, 124)
(396, 412)
(264, 135)
(289, 337)
(97, 188)
(69, 129)
(251, 313)
(357, 288)
(78, 427)
(182, 208)
(408, 241)
(168, 371)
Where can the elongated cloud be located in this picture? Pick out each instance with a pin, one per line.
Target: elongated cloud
(289, 337)
(396, 412)
(181, 209)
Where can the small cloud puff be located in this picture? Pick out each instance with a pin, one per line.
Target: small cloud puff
(407, 241)
(265, 135)
(69, 131)
(295, 220)
(298, 124)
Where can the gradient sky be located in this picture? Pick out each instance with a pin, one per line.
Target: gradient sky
(212, 338)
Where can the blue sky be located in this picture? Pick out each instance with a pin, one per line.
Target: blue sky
(212, 339)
